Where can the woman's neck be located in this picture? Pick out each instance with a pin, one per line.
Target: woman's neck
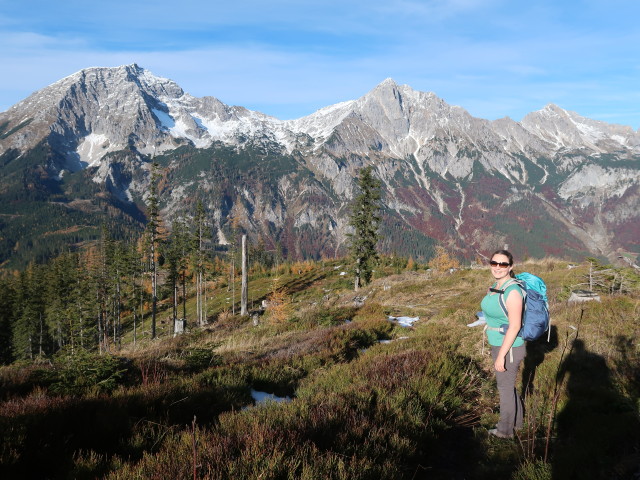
(502, 281)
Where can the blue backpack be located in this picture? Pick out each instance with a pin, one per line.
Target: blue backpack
(535, 318)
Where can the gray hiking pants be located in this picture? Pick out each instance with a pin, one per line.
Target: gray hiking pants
(511, 405)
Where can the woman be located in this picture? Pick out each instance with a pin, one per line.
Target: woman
(507, 350)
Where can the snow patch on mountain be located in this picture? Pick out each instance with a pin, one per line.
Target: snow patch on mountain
(166, 122)
(588, 132)
(93, 147)
(321, 123)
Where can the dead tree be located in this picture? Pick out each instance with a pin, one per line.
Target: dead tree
(244, 288)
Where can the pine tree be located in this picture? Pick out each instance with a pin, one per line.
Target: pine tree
(96, 265)
(60, 294)
(153, 224)
(200, 236)
(30, 333)
(184, 243)
(7, 306)
(120, 267)
(233, 251)
(99, 277)
(136, 269)
(365, 220)
(86, 301)
(177, 249)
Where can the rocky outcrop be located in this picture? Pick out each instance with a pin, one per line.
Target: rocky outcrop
(445, 172)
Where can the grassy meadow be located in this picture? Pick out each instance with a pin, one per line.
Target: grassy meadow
(370, 399)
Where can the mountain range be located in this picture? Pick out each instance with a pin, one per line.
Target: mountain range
(78, 154)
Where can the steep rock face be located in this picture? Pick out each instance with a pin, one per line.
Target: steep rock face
(554, 182)
(100, 110)
(93, 112)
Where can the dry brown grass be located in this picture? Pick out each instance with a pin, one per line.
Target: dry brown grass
(360, 403)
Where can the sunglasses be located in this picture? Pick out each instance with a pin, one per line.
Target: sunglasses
(493, 263)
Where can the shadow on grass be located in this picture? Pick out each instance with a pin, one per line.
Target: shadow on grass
(299, 283)
(598, 430)
(44, 444)
(536, 351)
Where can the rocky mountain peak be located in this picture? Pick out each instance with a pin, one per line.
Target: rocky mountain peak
(431, 156)
(98, 110)
(569, 130)
(388, 81)
(93, 112)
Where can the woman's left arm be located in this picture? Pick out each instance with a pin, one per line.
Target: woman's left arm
(514, 311)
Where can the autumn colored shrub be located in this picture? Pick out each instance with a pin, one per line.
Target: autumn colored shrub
(371, 310)
(443, 261)
(278, 302)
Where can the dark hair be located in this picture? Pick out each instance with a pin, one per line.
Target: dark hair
(507, 254)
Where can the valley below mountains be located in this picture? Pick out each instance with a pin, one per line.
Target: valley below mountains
(77, 155)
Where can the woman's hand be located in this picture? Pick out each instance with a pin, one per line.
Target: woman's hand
(499, 364)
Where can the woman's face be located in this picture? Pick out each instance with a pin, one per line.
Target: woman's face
(500, 266)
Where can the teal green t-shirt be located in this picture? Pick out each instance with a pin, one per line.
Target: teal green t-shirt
(495, 317)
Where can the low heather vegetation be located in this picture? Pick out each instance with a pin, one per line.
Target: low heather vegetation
(369, 399)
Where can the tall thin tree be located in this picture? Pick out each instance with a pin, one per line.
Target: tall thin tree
(153, 223)
(244, 290)
(365, 221)
(30, 332)
(201, 234)
(176, 250)
(7, 318)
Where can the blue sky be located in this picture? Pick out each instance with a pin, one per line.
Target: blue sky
(288, 58)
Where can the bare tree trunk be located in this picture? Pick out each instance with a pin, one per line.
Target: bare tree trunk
(199, 268)
(40, 348)
(199, 297)
(175, 303)
(233, 287)
(135, 316)
(100, 340)
(115, 323)
(142, 304)
(154, 285)
(81, 321)
(184, 296)
(244, 289)
(118, 327)
(204, 294)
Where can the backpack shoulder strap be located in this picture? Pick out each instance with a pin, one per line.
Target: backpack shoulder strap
(501, 301)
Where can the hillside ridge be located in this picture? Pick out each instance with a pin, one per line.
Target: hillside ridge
(555, 182)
